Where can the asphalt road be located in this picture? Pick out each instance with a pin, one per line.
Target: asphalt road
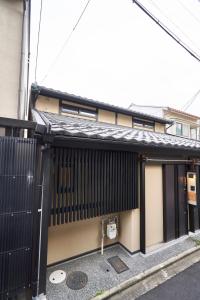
(184, 286)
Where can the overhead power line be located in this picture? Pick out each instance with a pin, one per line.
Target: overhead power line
(174, 24)
(38, 39)
(66, 42)
(189, 11)
(167, 30)
(190, 101)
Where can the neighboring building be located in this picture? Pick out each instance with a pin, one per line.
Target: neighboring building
(14, 57)
(103, 161)
(184, 124)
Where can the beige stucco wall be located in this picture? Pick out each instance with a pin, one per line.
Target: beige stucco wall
(124, 120)
(154, 205)
(47, 104)
(130, 229)
(106, 116)
(11, 13)
(68, 240)
(159, 127)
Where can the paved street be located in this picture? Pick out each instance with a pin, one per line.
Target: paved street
(184, 286)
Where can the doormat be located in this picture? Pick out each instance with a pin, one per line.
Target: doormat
(77, 280)
(118, 264)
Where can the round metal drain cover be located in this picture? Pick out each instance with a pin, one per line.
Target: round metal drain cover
(57, 276)
(76, 280)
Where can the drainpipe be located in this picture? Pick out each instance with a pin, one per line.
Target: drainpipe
(24, 62)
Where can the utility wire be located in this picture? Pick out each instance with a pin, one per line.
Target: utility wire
(189, 11)
(38, 39)
(190, 101)
(52, 65)
(175, 25)
(167, 30)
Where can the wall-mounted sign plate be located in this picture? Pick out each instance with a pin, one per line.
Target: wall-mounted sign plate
(191, 188)
(57, 276)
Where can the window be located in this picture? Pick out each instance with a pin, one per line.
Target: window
(183, 129)
(69, 109)
(186, 130)
(179, 129)
(74, 110)
(193, 133)
(143, 124)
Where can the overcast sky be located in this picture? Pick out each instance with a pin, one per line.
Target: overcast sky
(117, 54)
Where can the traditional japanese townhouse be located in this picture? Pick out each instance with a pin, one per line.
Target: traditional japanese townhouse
(105, 163)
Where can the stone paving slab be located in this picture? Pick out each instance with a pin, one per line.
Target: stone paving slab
(101, 276)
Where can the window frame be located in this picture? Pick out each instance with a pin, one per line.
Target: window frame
(78, 111)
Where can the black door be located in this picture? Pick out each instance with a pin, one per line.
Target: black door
(175, 202)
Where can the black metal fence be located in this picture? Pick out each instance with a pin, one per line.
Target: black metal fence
(89, 183)
(17, 174)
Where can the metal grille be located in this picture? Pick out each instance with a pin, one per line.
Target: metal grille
(17, 171)
(89, 183)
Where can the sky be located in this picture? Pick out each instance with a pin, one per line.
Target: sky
(117, 54)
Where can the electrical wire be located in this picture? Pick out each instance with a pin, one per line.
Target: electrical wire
(38, 39)
(174, 24)
(190, 101)
(189, 11)
(167, 30)
(66, 42)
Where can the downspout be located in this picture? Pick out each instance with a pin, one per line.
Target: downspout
(24, 62)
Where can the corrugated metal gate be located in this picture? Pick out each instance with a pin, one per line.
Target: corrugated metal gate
(17, 174)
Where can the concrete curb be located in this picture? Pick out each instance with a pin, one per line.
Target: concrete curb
(129, 282)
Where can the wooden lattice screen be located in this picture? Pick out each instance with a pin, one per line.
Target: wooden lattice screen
(89, 183)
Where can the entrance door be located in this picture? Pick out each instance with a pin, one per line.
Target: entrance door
(153, 205)
(175, 202)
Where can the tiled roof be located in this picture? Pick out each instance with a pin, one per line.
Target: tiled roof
(69, 126)
(41, 90)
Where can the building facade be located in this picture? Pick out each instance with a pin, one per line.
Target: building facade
(14, 57)
(108, 162)
(184, 124)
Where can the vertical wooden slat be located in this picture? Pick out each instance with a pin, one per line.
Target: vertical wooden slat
(82, 180)
(86, 185)
(55, 216)
(118, 181)
(62, 187)
(89, 201)
(70, 184)
(95, 183)
(101, 184)
(142, 208)
(65, 186)
(105, 182)
(54, 187)
(92, 186)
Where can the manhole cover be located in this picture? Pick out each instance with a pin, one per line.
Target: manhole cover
(57, 276)
(76, 280)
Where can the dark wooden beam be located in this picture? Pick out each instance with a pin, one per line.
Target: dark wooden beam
(15, 123)
(45, 205)
(142, 208)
